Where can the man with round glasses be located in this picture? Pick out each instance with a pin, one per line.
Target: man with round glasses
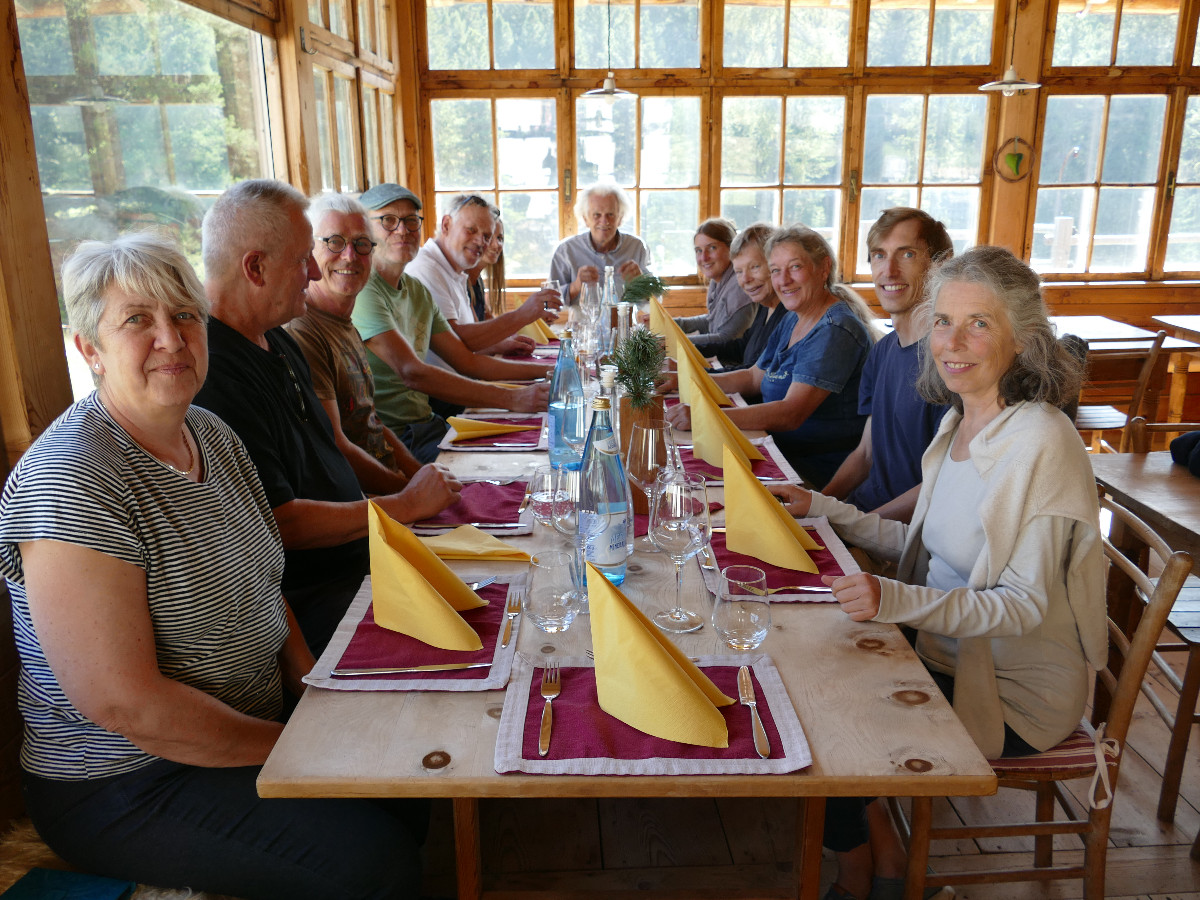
(400, 322)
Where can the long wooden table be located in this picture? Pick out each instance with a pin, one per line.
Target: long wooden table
(875, 722)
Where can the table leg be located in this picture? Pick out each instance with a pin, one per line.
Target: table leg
(1185, 716)
(467, 855)
(810, 832)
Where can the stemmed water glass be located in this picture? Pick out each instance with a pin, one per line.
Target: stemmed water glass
(649, 453)
(680, 527)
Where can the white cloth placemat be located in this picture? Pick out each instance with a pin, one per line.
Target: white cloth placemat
(796, 753)
(447, 441)
(497, 676)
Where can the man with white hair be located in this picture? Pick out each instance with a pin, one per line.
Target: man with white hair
(581, 259)
(463, 235)
(258, 262)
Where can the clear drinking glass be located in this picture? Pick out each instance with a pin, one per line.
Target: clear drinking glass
(742, 611)
(679, 525)
(542, 488)
(649, 453)
(551, 599)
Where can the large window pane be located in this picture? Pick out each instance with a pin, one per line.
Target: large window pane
(1189, 153)
(1062, 223)
(321, 109)
(374, 164)
(62, 152)
(606, 140)
(524, 34)
(962, 35)
(813, 140)
(820, 210)
(199, 149)
(526, 142)
(892, 144)
(670, 35)
(819, 34)
(122, 42)
(1133, 139)
(750, 137)
(1122, 236)
(954, 135)
(753, 34)
(1147, 35)
(594, 42)
(668, 222)
(347, 137)
(339, 19)
(530, 232)
(957, 209)
(743, 207)
(143, 151)
(1183, 244)
(457, 32)
(1071, 142)
(46, 46)
(462, 145)
(1083, 34)
(898, 33)
(670, 142)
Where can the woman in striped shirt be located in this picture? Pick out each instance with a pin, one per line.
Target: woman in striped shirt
(144, 567)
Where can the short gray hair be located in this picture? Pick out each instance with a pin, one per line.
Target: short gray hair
(143, 264)
(818, 250)
(757, 234)
(1043, 369)
(602, 189)
(459, 202)
(248, 216)
(335, 203)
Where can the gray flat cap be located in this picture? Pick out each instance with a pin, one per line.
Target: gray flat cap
(383, 194)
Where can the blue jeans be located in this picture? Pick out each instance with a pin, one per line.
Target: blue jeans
(422, 438)
(178, 826)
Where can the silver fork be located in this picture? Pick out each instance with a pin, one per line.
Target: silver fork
(796, 589)
(551, 685)
(512, 611)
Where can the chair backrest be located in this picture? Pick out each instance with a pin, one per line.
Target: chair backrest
(1127, 378)
(1138, 606)
(1141, 433)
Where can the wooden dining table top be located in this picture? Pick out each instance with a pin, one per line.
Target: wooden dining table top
(1151, 485)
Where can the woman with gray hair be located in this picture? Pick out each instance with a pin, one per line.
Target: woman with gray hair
(807, 377)
(144, 567)
(1001, 570)
(749, 263)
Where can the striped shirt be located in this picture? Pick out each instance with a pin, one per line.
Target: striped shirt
(212, 558)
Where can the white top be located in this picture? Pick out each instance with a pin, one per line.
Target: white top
(447, 287)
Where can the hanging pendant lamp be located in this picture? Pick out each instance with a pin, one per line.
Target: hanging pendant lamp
(609, 88)
(1011, 83)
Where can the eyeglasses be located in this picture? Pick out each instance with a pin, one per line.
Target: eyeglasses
(391, 223)
(336, 244)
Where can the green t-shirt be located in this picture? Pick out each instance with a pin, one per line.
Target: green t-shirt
(410, 311)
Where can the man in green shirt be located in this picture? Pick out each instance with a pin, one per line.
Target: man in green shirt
(400, 323)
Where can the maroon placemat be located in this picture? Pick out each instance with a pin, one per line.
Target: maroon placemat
(480, 501)
(582, 730)
(512, 437)
(641, 523)
(373, 646)
(778, 576)
(763, 469)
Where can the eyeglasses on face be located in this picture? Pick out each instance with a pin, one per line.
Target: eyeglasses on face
(336, 244)
(391, 223)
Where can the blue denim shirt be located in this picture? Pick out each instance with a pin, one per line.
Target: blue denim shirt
(829, 357)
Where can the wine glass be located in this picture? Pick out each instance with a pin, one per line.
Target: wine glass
(648, 454)
(742, 612)
(679, 526)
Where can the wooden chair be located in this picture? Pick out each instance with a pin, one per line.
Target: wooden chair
(1088, 752)
(1141, 432)
(1114, 375)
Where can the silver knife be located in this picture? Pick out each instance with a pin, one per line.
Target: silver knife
(525, 500)
(746, 695)
(433, 667)
(484, 525)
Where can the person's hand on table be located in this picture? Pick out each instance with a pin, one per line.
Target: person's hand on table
(667, 383)
(858, 594)
(629, 270)
(679, 416)
(430, 491)
(795, 499)
(517, 345)
(531, 398)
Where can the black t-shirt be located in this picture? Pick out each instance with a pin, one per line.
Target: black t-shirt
(267, 398)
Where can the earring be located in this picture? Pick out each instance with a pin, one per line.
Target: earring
(96, 366)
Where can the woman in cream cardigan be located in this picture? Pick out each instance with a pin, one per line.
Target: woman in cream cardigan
(1000, 571)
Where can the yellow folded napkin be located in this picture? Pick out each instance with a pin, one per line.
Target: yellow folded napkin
(661, 323)
(468, 542)
(467, 429)
(643, 679)
(413, 591)
(692, 372)
(712, 432)
(539, 332)
(756, 523)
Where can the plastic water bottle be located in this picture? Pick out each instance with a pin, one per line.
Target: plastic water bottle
(605, 514)
(566, 406)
